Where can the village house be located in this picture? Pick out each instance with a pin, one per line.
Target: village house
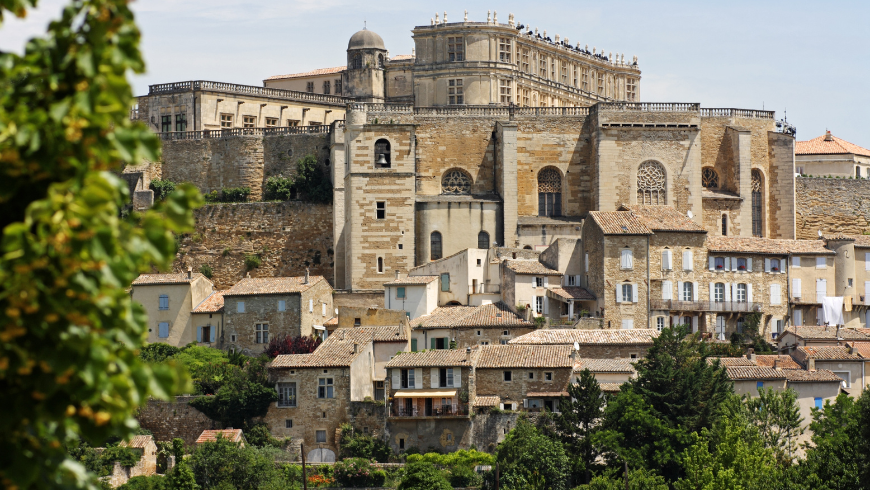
(831, 156)
(257, 309)
(595, 344)
(207, 319)
(524, 376)
(168, 300)
(146, 449)
(844, 361)
(610, 373)
(466, 326)
(230, 434)
(817, 336)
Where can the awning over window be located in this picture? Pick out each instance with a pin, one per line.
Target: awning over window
(430, 393)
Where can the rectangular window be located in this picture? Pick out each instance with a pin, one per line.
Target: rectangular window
(455, 94)
(326, 87)
(775, 296)
(660, 323)
(627, 293)
(445, 281)
(288, 423)
(508, 375)
(741, 293)
(165, 124)
(504, 91)
(600, 84)
(271, 122)
(164, 302)
(337, 86)
(531, 375)
(539, 282)
(548, 376)
(688, 291)
(741, 264)
(249, 121)
(181, 122)
(292, 123)
(572, 280)
(408, 378)
(325, 388)
(667, 260)
(627, 324)
(795, 261)
(539, 304)
(759, 384)
(719, 292)
(309, 87)
(720, 263)
(455, 49)
(381, 209)
(626, 259)
(240, 307)
(320, 436)
(261, 331)
(821, 262)
(585, 80)
(163, 330)
(226, 120)
(400, 292)
(687, 260)
(821, 290)
(542, 66)
(286, 394)
(204, 334)
(282, 305)
(564, 73)
(504, 49)
(819, 402)
(524, 62)
(631, 90)
(526, 97)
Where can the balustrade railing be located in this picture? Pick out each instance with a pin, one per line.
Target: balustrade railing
(743, 113)
(435, 411)
(225, 133)
(469, 110)
(234, 88)
(647, 107)
(711, 306)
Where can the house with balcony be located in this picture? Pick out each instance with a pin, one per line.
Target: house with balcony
(466, 277)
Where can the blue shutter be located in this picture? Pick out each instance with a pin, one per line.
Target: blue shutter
(819, 403)
(163, 330)
(213, 332)
(199, 334)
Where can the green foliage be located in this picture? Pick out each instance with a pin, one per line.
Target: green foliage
(154, 482)
(157, 352)
(229, 194)
(278, 189)
(540, 321)
(252, 261)
(364, 446)
(126, 456)
(178, 448)
(68, 363)
(463, 476)
(162, 189)
(357, 473)
(639, 479)
(529, 459)
(182, 477)
(577, 421)
(777, 417)
(206, 270)
(311, 182)
(423, 476)
(259, 435)
(234, 395)
(468, 458)
(223, 463)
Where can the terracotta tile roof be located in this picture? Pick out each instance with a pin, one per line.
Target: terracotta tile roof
(546, 394)
(530, 267)
(487, 401)
(621, 365)
(862, 348)
(491, 315)
(610, 387)
(862, 240)
(783, 362)
(271, 285)
(768, 246)
(801, 376)
(213, 304)
(731, 361)
(573, 292)
(637, 336)
(402, 57)
(825, 353)
(837, 146)
(138, 442)
(431, 358)
(743, 373)
(234, 435)
(180, 278)
(824, 333)
(332, 322)
(524, 356)
(619, 223)
(411, 281)
(663, 218)
(338, 350)
(319, 71)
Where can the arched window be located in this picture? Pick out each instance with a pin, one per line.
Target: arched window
(380, 265)
(651, 188)
(380, 61)
(382, 153)
(456, 182)
(549, 192)
(724, 225)
(709, 178)
(483, 240)
(356, 62)
(757, 202)
(435, 245)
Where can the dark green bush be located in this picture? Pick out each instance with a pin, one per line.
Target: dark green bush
(423, 476)
(158, 352)
(162, 188)
(279, 189)
(358, 473)
(363, 446)
(252, 262)
(206, 270)
(229, 194)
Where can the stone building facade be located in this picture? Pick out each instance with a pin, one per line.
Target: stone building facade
(168, 300)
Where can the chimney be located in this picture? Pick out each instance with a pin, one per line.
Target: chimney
(397, 274)
(468, 355)
(776, 364)
(828, 136)
(189, 272)
(750, 354)
(248, 275)
(811, 364)
(306, 276)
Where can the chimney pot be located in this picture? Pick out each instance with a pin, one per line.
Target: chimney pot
(776, 365)
(829, 136)
(397, 274)
(189, 272)
(811, 365)
(307, 276)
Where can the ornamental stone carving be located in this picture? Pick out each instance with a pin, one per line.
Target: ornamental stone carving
(456, 182)
(651, 183)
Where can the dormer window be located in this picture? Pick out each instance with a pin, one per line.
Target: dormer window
(382, 154)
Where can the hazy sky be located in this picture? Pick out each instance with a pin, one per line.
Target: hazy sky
(809, 58)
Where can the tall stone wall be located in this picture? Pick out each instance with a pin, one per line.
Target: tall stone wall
(286, 236)
(831, 205)
(168, 420)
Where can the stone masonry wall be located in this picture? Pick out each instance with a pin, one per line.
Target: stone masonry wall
(168, 420)
(287, 236)
(841, 205)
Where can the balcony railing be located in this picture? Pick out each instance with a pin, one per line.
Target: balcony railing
(225, 133)
(436, 411)
(235, 88)
(713, 306)
(485, 289)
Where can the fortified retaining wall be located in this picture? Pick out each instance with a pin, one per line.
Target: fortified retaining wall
(286, 237)
(168, 420)
(838, 205)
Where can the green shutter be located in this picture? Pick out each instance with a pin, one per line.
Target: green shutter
(432, 341)
(413, 345)
(446, 342)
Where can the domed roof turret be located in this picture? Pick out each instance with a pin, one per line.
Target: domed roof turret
(365, 39)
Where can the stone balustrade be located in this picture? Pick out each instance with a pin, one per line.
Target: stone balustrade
(234, 88)
(742, 113)
(225, 133)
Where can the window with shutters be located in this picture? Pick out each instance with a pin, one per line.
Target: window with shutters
(261, 332)
(774, 265)
(163, 330)
(651, 183)
(456, 182)
(626, 260)
(549, 192)
(163, 303)
(667, 257)
(687, 260)
(796, 287)
(455, 49)
(821, 290)
(688, 292)
(286, 394)
(539, 304)
(400, 292)
(571, 280)
(445, 378)
(741, 293)
(720, 327)
(775, 298)
(719, 292)
(719, 263)
(741, 264)
(757, 203)
(205, 334)
(627, 293)
(325, 388)
(435, 245)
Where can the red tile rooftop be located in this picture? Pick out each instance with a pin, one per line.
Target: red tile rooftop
(828, 144)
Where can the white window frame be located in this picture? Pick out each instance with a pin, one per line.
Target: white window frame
(626, 259)
(286, 394)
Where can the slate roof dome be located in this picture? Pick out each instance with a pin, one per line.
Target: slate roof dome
(365, 39)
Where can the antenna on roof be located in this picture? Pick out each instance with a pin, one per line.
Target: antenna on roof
(820, 234)
(690, 214)
(365, 25)
(576, 346)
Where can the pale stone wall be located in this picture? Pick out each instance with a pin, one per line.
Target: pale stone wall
(259, 309)
(831, 205)
(615, 276)
(459, 224)
(176, 418)
(843, 166)
(182, 299)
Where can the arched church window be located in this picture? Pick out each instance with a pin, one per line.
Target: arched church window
(380, 61)
(483, 240)
(709, 178)
(757, 202)
(651, 188)
(549, 192)
(456, 182)
(435, 245)
(382, 153)
(356, 62)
